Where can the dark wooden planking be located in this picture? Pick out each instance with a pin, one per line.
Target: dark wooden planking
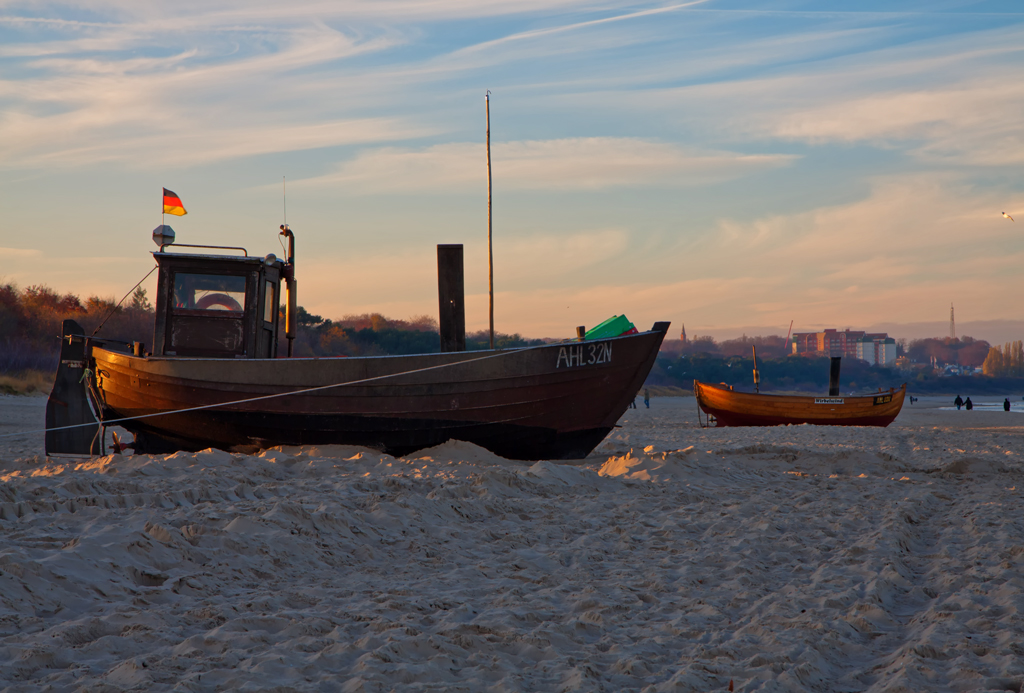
(555, 401)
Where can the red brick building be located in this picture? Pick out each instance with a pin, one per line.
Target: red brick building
(832, 342)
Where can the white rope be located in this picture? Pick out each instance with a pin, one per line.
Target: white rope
(280, 394)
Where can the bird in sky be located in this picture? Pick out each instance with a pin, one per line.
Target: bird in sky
(1007, 216)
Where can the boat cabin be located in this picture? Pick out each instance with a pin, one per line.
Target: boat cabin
(217, 306)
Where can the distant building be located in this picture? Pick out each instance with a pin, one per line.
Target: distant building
(877, 351)
(877, 348)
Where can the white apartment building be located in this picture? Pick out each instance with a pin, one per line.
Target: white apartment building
(878, 351)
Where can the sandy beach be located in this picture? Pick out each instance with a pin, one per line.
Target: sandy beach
(675, 558)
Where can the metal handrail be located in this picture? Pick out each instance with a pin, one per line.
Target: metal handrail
(193, 245)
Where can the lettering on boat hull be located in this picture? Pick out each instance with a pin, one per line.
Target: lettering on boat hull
(584, 355)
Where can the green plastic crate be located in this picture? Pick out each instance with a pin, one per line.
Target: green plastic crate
(612, 327)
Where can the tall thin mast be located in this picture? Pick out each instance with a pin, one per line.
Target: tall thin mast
(490, 252)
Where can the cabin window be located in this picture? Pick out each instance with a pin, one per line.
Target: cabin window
(209, 292)
(270, 303)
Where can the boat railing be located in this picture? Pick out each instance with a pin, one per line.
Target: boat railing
(164, 247)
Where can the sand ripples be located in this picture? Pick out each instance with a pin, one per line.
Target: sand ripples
(787, 561)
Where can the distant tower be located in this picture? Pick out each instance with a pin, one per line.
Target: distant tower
(952, 323)
(682, 337)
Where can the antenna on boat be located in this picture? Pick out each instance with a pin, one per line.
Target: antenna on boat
(284, 198)
(757, 374)
(490, 254)
(291, 286)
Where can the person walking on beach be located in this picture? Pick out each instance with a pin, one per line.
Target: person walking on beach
(1006, 404)
(968, 405)
(958, 402)
(647, 398)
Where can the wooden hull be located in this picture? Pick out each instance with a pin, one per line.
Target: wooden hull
(748, 409)
(556, 401)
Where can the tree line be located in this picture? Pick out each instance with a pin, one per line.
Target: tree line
(372, 334)
(30, 323)
(777, 374)
(30, 328)
(772, 346)
(1005, 361)
(965, 351)
(731, 362)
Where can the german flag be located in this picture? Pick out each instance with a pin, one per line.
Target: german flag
(172, 204)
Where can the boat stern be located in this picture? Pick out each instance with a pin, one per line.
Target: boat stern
(71, 425)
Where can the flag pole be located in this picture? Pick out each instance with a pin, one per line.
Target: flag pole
(490, 253)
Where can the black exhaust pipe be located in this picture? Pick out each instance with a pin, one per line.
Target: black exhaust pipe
(833, 376)
(292, 289)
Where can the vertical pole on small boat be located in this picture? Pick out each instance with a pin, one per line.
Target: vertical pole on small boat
(490, 254)
(833, 376)
(291, 306)
(757, 375)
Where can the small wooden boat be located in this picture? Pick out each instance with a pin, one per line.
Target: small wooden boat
(731, 408)
(213, 379)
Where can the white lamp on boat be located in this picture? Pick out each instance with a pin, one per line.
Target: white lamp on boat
(163, 235)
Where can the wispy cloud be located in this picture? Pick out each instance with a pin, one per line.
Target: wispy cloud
(179, 145)
(19, 252)
(539, 257)
(944, 100)
(542, 35)
(972, 122)
(147, 75)
(173, 107)
(660, 119)
(570, 164)
(900, 253)
(912, 242)
(234, 11)
(407, 281)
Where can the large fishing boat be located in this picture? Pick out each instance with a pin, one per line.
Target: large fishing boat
(213, 378)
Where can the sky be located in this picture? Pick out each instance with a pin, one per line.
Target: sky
(730, 165)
